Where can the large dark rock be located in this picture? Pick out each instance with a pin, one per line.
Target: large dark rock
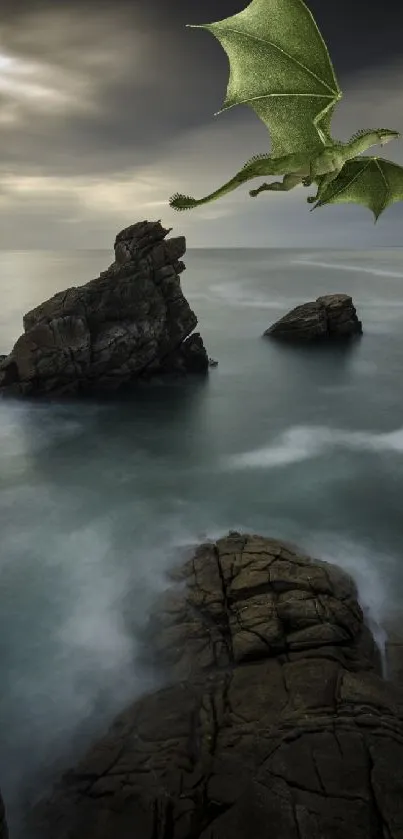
(131, 322)
(276, 722)
(332, 316)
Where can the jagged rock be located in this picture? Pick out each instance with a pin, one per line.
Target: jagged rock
(276, 720)
(332, 316)
(130, 322)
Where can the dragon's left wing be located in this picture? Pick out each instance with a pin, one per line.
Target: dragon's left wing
(372, 181)
(280, 67)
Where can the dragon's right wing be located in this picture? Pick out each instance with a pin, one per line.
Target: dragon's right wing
(280, 67)
(372, 181)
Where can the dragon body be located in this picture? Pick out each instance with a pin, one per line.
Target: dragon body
(280, 67)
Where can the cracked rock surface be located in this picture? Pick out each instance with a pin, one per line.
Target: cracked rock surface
(275, 721)
(329, 317)
(130, 322)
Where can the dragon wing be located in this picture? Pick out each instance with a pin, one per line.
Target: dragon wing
(372, 181)
(280, 67)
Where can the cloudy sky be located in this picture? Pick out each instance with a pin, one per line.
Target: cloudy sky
(106, 109)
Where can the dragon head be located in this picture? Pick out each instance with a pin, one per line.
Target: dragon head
(386, 135)
(375, 136)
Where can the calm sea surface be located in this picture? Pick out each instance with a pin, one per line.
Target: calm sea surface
(97, 499)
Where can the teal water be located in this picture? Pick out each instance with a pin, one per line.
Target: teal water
(97, 499)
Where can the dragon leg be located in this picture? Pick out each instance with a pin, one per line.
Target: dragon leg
(288, 182)
(323, 181)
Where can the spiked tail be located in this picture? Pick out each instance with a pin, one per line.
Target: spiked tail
(186, 202)
(182, 202)
(256, 167)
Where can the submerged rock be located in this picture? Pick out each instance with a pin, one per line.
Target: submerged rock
(130, 322)
(275, 722)
(332, 316)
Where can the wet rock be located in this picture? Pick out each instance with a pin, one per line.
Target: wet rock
(275, 717)
(127, 323)
(330, 317)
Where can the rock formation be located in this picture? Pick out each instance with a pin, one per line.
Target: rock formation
(332, 316)
(275, 722)
(130, 322)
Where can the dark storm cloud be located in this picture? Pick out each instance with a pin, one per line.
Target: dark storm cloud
(109, 107)
(134, 85)
(355, 30)
(108, 68)
(140, 77)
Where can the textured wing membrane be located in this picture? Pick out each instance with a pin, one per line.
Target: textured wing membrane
(280, 67)
(371, 181)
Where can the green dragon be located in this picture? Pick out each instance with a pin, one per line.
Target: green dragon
(280, 67)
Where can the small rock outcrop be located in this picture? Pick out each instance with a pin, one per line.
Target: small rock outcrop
(130, 322)
(276, 720)
(330, 317)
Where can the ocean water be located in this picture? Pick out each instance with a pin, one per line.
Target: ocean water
(98, 499)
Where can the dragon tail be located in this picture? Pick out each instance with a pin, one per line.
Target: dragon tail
(258, 166)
